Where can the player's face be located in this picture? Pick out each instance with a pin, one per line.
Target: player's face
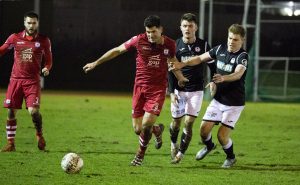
(234, 42)
(31, 25)
(154, 34)
(188, 29)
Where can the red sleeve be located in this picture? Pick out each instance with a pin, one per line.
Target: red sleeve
(172, 49)
(48, 55)
(9, 44)
(131, 43)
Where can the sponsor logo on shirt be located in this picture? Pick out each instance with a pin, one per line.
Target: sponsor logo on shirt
(197, 49)
(153, 61)
(181, 49)
(26, 55)
(222, 55)
(185, 58)
(224, 67)
(21, 42)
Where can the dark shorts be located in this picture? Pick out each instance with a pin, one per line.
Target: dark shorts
(147, 99)
(19, 89)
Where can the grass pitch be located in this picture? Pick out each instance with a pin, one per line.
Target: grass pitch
(98, 127)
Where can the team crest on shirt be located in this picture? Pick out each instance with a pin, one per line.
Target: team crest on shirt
(37, 44)
(232, 60)
(166, 51)
(197, 49)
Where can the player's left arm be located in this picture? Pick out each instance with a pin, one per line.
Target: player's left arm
(48, 58)
(177, 72)
(238, 73)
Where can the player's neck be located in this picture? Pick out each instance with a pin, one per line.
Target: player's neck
(161, 40)
(189, 40)
(30, 36)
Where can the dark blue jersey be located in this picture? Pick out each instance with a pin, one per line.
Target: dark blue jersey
(193, 73)
(229, 93)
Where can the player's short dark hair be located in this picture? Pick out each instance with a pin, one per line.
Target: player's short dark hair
(237, 29)
(189, 17)
(31, 15)
(151, 21)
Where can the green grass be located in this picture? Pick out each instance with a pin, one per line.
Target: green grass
(98, 127)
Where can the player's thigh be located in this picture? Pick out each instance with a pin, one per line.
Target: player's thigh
(154, 99)
(213, 112)
(231, 115)
(14, 95)
(178, 110)
(32, 92)
(193, 103)
(138, 102)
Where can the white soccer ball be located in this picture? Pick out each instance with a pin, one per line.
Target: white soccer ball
(72, 163)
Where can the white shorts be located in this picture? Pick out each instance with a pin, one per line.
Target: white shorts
(189, 103)
(227, 115)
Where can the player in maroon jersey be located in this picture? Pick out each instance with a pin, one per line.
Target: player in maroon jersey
(154, 51)
(29, 49)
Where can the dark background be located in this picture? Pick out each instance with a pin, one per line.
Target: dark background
(81, 31)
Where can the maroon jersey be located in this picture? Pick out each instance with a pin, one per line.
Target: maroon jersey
(28, 55)
(151, 59)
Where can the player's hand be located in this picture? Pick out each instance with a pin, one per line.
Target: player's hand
(45, 71)
(212, 88)
(174, 99)
(176, 65)
(182, 82)
(89, 66)
(217, 78)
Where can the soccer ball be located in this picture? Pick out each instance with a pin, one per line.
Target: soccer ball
(72, 163)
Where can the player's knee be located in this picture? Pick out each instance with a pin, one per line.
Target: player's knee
(11, 114)
(205, 129)
(137, 131)
(176, 124)
(35, 115)
(189, 123)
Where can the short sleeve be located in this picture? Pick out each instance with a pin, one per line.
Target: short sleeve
(243, 59)
(9, 44)
(213, 52)
(131, 43)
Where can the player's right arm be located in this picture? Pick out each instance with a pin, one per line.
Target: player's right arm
(113, 53)
(7, 45)
(192, 61)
